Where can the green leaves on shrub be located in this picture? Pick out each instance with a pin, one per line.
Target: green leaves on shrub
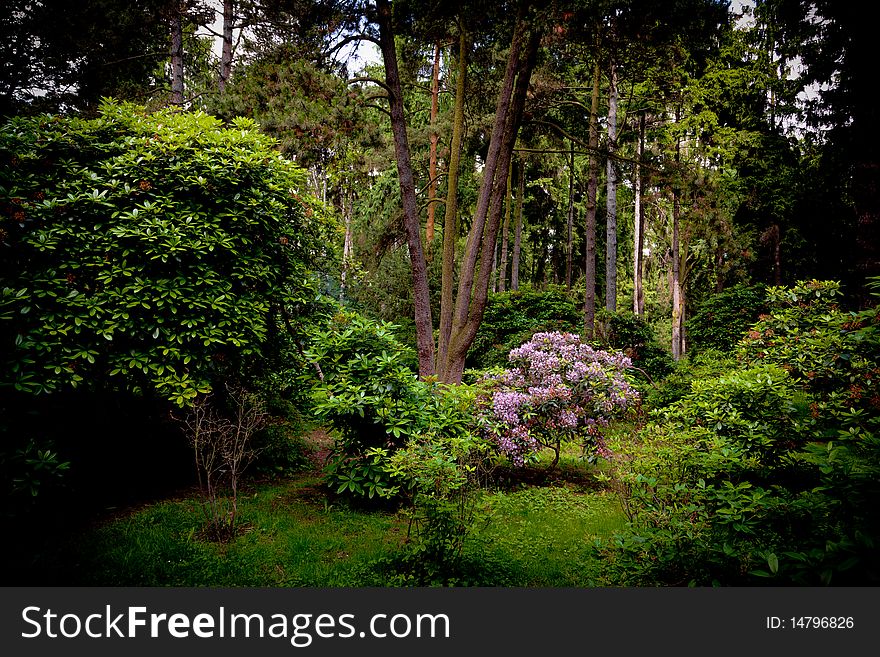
(145, 251)
(767, 473)
(511, 318)
(722, 319)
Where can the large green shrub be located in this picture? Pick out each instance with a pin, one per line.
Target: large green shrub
(629, 333)
(511, 318)
(721, 320)
(145, 251)
(374, 401)
(807, 333)
(769, 473)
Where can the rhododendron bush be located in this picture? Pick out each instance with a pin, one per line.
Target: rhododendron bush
(559, 389)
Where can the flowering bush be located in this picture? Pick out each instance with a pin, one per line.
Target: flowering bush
(559, 389)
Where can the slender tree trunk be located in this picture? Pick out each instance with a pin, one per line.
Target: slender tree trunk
(569, 235)
(474, 282)
(505, 231)
(177, 55)
(677, 296)
(347, 203)
(592, 188)
(611, 196)
(226, 52)
(639, 224)
(517, 231)
(450, 218)
(777, 255)
(432, 158)
(421, 298)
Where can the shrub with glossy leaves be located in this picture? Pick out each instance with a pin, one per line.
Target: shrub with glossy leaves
(375, 403)
(511, 318)
(559, 389)
(721, 320)
(145, 251)
(809, 335)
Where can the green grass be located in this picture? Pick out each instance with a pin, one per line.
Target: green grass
(534, 536)
(290, 538)
(546, 534)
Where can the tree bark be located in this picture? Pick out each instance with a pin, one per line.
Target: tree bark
(450, 218)
(226, 52)
(517, 231)
(432, 157)
(347, 203)
(592, 188)
(177, 54)
(418, 264)
(569, 236)
(474, 282)
(639, 224)
(505, 232)
(611, 196)
(677, 296)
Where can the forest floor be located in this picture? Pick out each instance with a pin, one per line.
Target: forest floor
(537, 527)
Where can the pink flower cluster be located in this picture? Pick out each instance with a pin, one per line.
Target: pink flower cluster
(559, 388)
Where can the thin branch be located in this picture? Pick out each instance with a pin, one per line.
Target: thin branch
(373, 80)
(360, 36)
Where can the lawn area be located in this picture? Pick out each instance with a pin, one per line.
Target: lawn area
(530, 535)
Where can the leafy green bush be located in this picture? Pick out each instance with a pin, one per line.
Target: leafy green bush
(722, 319)
(695, 485)
(440, 477)
(768, 473)
(808, 334)
(511, 318)
(145, 252)
(28, 474)
(756, 410)
(374, 402)
(630, 334)
(677, 384)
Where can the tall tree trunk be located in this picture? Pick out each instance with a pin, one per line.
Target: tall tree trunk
(592, 188)
(432, 158)
(611, 196)
(421, 298)
(474, 281)
(569, 234)
(347, 203)
(677, 296)
(505, 231)
(639, 224)
(226, 52)
(450, 218)
(177, 54)
(517, 231)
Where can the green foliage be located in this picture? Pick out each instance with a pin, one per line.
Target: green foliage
(629, 333)
(28, 474)
(146, 252)
(677, 384)
(280, 451)
(722, 319)
(764, 474)
(753, 410)
(511, 318)
(441, 476)
(808, 334)
(374, 402)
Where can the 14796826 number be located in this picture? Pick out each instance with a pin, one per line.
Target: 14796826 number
(822, 622)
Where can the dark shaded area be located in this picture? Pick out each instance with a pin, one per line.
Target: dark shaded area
(122, 450)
